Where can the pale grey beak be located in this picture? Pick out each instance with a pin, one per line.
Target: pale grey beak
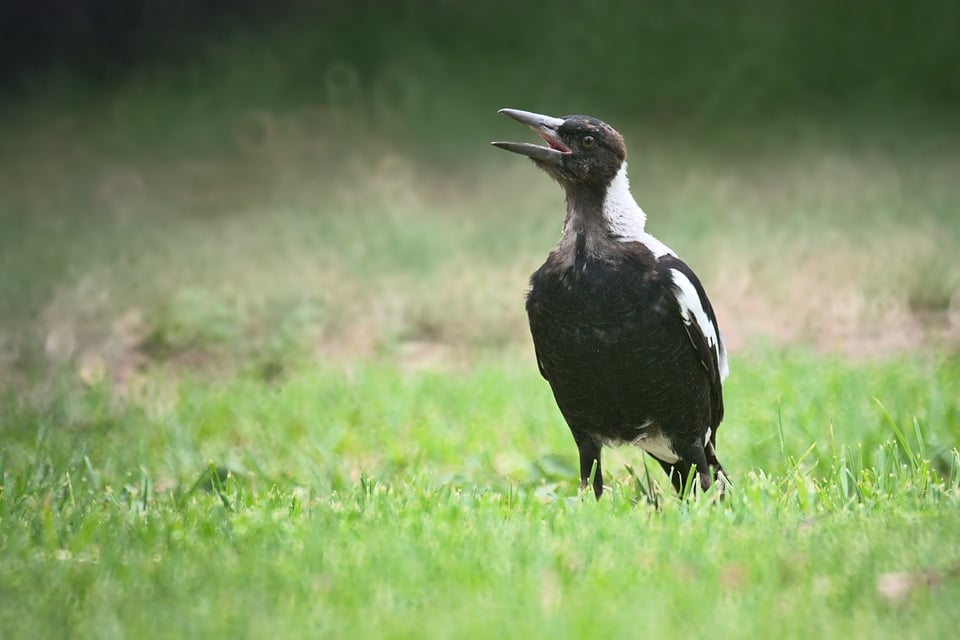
(546, 127)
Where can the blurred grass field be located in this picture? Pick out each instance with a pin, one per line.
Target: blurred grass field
(274, 253)
(264, 365)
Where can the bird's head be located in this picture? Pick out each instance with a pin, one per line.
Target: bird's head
(579, 151)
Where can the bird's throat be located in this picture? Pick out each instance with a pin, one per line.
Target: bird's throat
(585, 235)
(599, 215)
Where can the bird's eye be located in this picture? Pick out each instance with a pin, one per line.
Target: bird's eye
(588, 142)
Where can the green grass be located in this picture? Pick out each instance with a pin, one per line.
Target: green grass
(379, 503)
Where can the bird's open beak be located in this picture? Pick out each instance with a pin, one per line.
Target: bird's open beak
(546, 127)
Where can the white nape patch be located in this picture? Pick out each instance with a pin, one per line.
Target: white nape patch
(692, 311)
(624, 217)
(658, 446)
(658, 248)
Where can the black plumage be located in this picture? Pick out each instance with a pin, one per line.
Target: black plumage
(622, 328)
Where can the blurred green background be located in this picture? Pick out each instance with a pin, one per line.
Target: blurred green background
(219, 184)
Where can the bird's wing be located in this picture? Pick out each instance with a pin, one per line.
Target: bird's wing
(698, 317)
(539, 362)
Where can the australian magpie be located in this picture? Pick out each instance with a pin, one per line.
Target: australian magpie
(622, 328)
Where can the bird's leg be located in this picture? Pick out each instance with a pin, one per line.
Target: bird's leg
(719, 475)
(598, 478)
(590, 453)
(680, 471)
(676, 472)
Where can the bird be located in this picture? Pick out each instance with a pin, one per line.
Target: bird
(622, 328)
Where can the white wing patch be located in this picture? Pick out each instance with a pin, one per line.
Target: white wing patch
(626, 220)
(724, 367)
(692, 311)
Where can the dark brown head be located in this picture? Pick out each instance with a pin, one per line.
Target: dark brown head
(580, 150)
